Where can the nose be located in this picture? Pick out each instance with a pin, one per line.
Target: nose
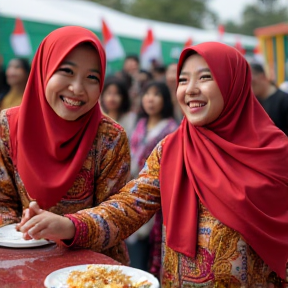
(192, 88)
(77, 87)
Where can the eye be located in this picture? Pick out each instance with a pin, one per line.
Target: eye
(182, 80)
(206, 76)
(94, 77)
(65, 70)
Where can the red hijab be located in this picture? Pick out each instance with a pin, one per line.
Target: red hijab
(47, 150)
(236, 166)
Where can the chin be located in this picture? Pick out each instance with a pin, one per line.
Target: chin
(67, 117)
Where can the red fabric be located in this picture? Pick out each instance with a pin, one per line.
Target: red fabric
(47, 150)
(236, 166)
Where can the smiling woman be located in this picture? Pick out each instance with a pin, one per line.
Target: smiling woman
(74, 88)
(198, 93)
(79, 156)
(215, 179)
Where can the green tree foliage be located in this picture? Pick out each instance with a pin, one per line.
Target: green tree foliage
(194, 13)
(254, 16)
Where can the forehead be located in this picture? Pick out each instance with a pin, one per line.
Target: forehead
(152, 89)
(172, 67)
(194, 62)
(83, 50)
(15, 62)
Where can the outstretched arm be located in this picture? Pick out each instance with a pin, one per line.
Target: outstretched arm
(113, 220)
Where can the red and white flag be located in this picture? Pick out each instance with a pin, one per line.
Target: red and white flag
(239, 47)
(112, 45)
(19, 40)
(221, 32)
(188, 43)
(150, 51)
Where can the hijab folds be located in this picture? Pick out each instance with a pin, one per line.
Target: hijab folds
(236, 166)
(47, 150)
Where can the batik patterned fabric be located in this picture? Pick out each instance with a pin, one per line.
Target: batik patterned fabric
(103, 173)
(223, 257)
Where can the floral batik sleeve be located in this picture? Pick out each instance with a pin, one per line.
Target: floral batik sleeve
(122, 214)
(10, 204)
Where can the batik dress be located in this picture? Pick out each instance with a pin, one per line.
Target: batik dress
(103, 173)
(223, 257)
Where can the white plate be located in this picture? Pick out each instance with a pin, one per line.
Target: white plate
(58, 278)
(10, 237)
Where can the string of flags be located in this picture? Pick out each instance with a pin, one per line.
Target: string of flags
(151, 49)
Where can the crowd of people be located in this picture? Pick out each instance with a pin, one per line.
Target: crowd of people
(181, 164)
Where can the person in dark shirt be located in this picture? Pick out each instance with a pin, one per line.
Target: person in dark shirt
(273, 100)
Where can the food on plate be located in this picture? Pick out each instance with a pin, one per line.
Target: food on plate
(98, 276)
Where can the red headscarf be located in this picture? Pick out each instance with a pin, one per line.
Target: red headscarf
(236, 166)
(47, 150)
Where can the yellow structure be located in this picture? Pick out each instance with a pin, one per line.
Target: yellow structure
(274, 46)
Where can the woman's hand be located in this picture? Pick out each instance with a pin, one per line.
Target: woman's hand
(38, 224)
(27, 215)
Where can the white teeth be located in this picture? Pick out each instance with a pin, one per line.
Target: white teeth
(195, 104)
(72, 102)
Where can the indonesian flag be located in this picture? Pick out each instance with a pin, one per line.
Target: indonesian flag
(19, 40)
(239, 46)
(221, 31)
(112, 45)
(188, 43)
(150, 50)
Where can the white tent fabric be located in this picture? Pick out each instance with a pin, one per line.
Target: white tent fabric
(89, 14)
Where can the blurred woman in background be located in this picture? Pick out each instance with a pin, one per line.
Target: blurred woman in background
(115, 103)
(17, 74)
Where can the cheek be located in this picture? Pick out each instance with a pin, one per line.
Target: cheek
(160, 104)
(218, 105)
(180, 93)
(94, 93)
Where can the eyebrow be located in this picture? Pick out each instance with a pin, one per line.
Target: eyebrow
(198, 71)
(74, 65)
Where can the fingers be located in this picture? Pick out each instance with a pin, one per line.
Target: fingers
(26, 236)
(36, 232)
(28, 213)
(33, 229)
(34, 208)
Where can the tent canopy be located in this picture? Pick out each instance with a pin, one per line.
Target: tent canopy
(89, 14)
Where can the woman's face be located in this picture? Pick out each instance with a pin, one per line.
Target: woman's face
(152, 102)
(74, 88)
(198, 93)
(15, 73)
(111, 98)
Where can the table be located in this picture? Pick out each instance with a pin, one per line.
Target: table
(27, 268)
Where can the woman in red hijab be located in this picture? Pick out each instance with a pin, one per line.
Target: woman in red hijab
(58, 149)
(221, 180)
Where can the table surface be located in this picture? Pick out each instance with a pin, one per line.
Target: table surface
(28, 268)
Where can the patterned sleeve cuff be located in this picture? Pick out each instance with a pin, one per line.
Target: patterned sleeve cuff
(81, 233)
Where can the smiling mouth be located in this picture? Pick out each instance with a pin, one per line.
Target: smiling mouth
(196, 104)
(71, 102)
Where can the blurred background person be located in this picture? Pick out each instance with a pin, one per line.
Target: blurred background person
(155, 122)
(17, 73)
(131, 65)
(273, 100)
(143, 78)
(159, 72)
(130, 73)
(171, 81)
(115, 103)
